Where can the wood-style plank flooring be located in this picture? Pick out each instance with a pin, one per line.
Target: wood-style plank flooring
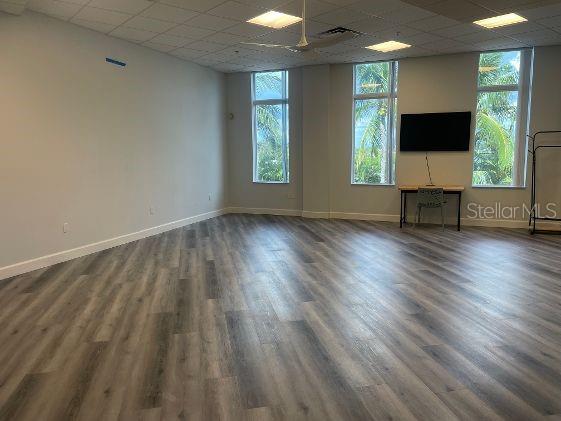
(281, 318)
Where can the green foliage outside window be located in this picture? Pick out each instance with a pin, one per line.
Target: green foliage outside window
(271, 121)
(372, 129)
(495, 133)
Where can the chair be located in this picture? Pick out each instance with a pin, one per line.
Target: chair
(430, 198)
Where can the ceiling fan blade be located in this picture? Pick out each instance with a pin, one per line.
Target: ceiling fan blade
(332, 40)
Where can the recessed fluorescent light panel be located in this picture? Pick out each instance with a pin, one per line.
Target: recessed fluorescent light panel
(385, 47)
(275, 20)
(498, 21)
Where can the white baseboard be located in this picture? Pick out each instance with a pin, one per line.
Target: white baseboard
(315, 214)
(495, 223)
(365, 216)
(265, 211)
(63, 256)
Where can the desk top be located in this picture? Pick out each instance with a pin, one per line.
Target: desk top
(446, 188)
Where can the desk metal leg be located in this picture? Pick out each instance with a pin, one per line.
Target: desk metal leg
(459, 209)
(401, 210)
(404, 207)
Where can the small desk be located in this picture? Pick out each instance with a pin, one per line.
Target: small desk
(414, 188)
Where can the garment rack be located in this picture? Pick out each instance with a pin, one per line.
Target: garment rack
(533, 216)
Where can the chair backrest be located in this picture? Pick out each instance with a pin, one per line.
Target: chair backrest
(430, 197)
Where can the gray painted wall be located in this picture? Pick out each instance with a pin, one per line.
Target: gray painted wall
(95, 145)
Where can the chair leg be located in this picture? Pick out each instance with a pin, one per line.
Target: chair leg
(419, 209)
(442, 216)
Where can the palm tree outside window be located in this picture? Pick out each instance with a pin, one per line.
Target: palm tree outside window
(270, 127)
(501, 123)
(374, 122)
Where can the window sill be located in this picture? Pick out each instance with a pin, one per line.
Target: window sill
(374, 184)
(271, 182)
(499, 187)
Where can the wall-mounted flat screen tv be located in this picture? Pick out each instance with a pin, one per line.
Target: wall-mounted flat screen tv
(435, 132)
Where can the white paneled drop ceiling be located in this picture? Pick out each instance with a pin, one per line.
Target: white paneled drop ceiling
(211, 32)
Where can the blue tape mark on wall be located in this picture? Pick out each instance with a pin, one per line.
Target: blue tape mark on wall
(117, 62)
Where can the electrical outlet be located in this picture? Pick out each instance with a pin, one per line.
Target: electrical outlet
(152, 210)
(209, 197)
(292, 195)
(65, 227)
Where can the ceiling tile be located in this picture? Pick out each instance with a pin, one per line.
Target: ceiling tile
(169, 13)
(80, 2)
(196, 5)
(442, 44)
(518, 28)
(419, 38)
(187, 53)
(264, 4)
(556, 40)
(397, 32)
(148, 24)
(12, 8)
(377, 7)
(312, 28)
(551, 22)
(96, 26)
(190, 32)
(248, 30)
(125, 6)
(205, 46)
(456, 31)
(171, 40)
(535, 36)
(313, 8)
(536, 13)
(477, 37)
(433, 23)
(342, 2)
(460, 10)
(498, 44)
(407, 14)
(211, 22)
(237, 11)
(58, 9)
(159, 47)
(279, 37)
(20, 2)
(104, 16)
(370, 25)
(131, 34)
(226, 39)
(339, 17)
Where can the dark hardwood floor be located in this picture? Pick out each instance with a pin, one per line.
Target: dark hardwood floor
(268, 318)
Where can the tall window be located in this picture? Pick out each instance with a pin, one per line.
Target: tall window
(375, 102)
(270, 127)
(501, 127)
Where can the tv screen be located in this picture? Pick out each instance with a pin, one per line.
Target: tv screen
(435, 132)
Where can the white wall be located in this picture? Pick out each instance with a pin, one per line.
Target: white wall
(95, 145)
(546, 115)
(427, 84)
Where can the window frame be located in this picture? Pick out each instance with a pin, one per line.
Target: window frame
(520, 156)
(284, 101)
(391, 97)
